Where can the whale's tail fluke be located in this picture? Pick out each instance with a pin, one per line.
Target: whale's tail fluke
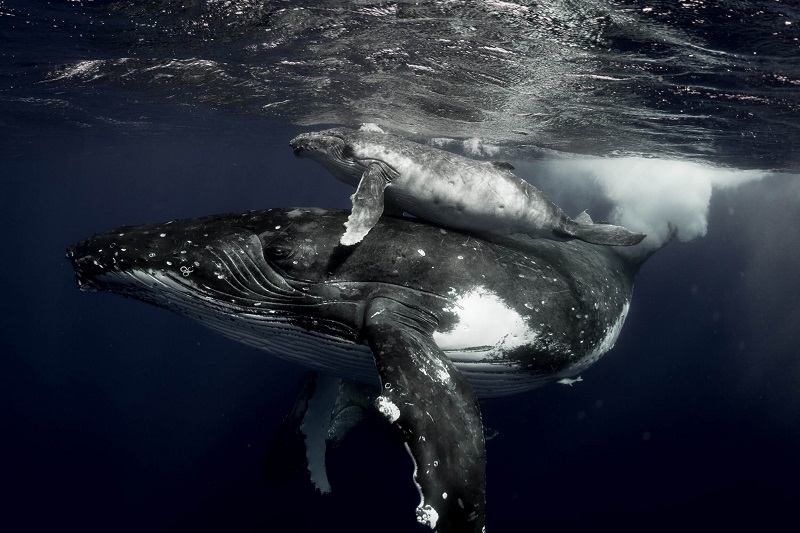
(585, 229)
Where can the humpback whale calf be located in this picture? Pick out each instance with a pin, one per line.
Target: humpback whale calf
(438, 319)
(442, 187)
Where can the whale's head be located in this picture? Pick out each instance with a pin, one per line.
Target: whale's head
(340, 150)
(270, 267)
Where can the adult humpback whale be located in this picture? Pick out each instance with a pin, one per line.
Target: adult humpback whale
(445, 317)
(443, 187)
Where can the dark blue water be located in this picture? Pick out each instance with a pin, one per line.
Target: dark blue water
(121, 417)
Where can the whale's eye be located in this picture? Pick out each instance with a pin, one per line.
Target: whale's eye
(348, 153)
(278, 249)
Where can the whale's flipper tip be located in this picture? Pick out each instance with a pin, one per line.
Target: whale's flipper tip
(351, 238)
(604, 234)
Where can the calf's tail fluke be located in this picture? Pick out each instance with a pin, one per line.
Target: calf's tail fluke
(606, 234)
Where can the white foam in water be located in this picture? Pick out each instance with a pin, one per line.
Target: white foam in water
(648, 195)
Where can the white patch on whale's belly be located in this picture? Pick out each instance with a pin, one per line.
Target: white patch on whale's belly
(486, 327)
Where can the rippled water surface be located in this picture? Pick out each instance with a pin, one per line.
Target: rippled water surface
(692, 80)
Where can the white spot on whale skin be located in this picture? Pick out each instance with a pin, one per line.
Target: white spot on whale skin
(387, 408)
(568, 381)
(427, 515)
(421, 252)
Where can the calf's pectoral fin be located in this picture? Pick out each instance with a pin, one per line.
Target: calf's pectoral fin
(437, 412)
(367, 205)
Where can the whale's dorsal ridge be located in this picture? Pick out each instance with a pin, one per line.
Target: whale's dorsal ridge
(584, 218)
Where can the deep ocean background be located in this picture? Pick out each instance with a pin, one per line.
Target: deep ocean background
(116, 416)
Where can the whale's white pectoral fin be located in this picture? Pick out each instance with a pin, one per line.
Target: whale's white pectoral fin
(437, 412)
(316, 423)
(367, 205)
(326, 409)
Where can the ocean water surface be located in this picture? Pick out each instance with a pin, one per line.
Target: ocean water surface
(121, 417)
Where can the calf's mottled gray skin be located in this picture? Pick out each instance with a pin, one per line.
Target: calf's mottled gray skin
(446, 318)
(442, 187)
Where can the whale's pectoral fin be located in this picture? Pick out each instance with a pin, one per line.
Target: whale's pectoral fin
(606, 234)
(286, 456)
(316, 422)
(436, 410)
(367, 204)
(325, 410)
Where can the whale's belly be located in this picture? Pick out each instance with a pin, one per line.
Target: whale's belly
(477, 199)
(485, 331)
